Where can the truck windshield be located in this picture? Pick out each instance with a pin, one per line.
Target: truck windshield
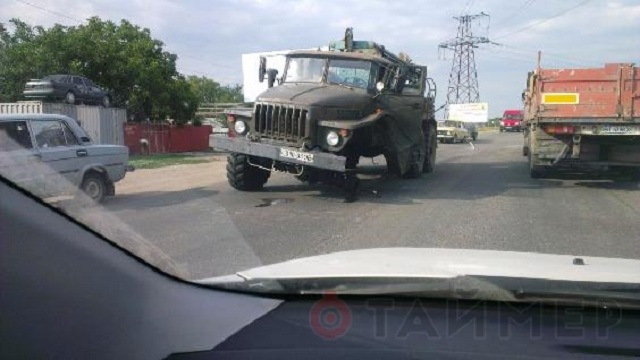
(305, 70)
(513, 116)
(353, 73)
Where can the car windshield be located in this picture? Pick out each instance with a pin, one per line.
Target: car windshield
(449, 123)
(308, 70)
(214, 138)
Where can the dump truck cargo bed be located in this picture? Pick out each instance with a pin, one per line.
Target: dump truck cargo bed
(610, 93)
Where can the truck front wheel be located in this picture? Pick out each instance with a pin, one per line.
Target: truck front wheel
(244, 176)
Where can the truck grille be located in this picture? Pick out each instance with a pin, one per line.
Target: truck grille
(281, 122)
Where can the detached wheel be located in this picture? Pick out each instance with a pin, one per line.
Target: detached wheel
(94, 186)
(243, 176)
(70, 98)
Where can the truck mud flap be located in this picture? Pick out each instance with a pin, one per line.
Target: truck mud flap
(318, 160)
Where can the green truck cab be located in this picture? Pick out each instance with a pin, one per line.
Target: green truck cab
(331, 107)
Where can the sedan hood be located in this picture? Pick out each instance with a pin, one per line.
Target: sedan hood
(446, 263)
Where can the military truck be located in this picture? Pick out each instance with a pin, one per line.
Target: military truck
(329, 108)
(583, 119)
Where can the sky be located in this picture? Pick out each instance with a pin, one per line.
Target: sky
(209, 37)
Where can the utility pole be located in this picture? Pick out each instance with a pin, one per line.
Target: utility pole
(463, 79)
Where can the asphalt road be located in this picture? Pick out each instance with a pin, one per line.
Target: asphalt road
(479, 197)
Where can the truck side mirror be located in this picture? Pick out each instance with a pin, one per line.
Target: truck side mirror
(271, 77)
(262, 69)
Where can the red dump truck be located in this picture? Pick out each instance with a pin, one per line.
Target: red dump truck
(583, 118)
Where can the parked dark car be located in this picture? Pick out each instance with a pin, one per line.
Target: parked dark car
(72, 89)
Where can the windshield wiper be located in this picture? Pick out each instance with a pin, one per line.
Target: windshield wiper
(343, 85)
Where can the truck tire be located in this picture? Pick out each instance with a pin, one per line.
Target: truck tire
(308, 176)
(430, 155)
(243, 176)
(414, 169)
(414, 172)
(535, 171)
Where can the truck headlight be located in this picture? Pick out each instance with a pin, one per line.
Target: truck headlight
(333, 138)
(501, 123)
(240, 127)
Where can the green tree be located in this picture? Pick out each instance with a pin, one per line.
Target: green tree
(122, 58)
(209, 91)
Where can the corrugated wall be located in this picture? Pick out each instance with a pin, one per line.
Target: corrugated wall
(105, 126)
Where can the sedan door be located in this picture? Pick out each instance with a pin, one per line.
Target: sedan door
(80, 89)
(94, 93)
(18, 159)
(61, 151)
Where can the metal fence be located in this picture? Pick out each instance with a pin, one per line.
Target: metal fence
(104, 125)
(215, 110)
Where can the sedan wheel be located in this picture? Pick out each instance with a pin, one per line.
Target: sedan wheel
(94, 187)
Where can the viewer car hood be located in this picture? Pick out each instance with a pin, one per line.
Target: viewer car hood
(316, 94)
(445, 264)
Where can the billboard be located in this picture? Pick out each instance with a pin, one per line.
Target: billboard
(475, 112)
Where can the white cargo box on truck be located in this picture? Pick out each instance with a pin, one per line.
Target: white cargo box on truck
(251, 86)
(104, 125)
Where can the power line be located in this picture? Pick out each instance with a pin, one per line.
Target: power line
(467, 6)
(463, 80)
(581, 3)
(517, 11)
(205, 61)
(49, 11)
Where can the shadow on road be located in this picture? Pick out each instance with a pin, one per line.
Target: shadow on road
(482, 141)
(151, 199)
(457, 181)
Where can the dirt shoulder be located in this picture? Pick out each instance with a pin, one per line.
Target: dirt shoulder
(175, 177)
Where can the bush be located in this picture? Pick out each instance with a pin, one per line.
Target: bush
(197, 120)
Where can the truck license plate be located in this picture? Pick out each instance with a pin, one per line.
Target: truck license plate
(296, 155)
(618, 129)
